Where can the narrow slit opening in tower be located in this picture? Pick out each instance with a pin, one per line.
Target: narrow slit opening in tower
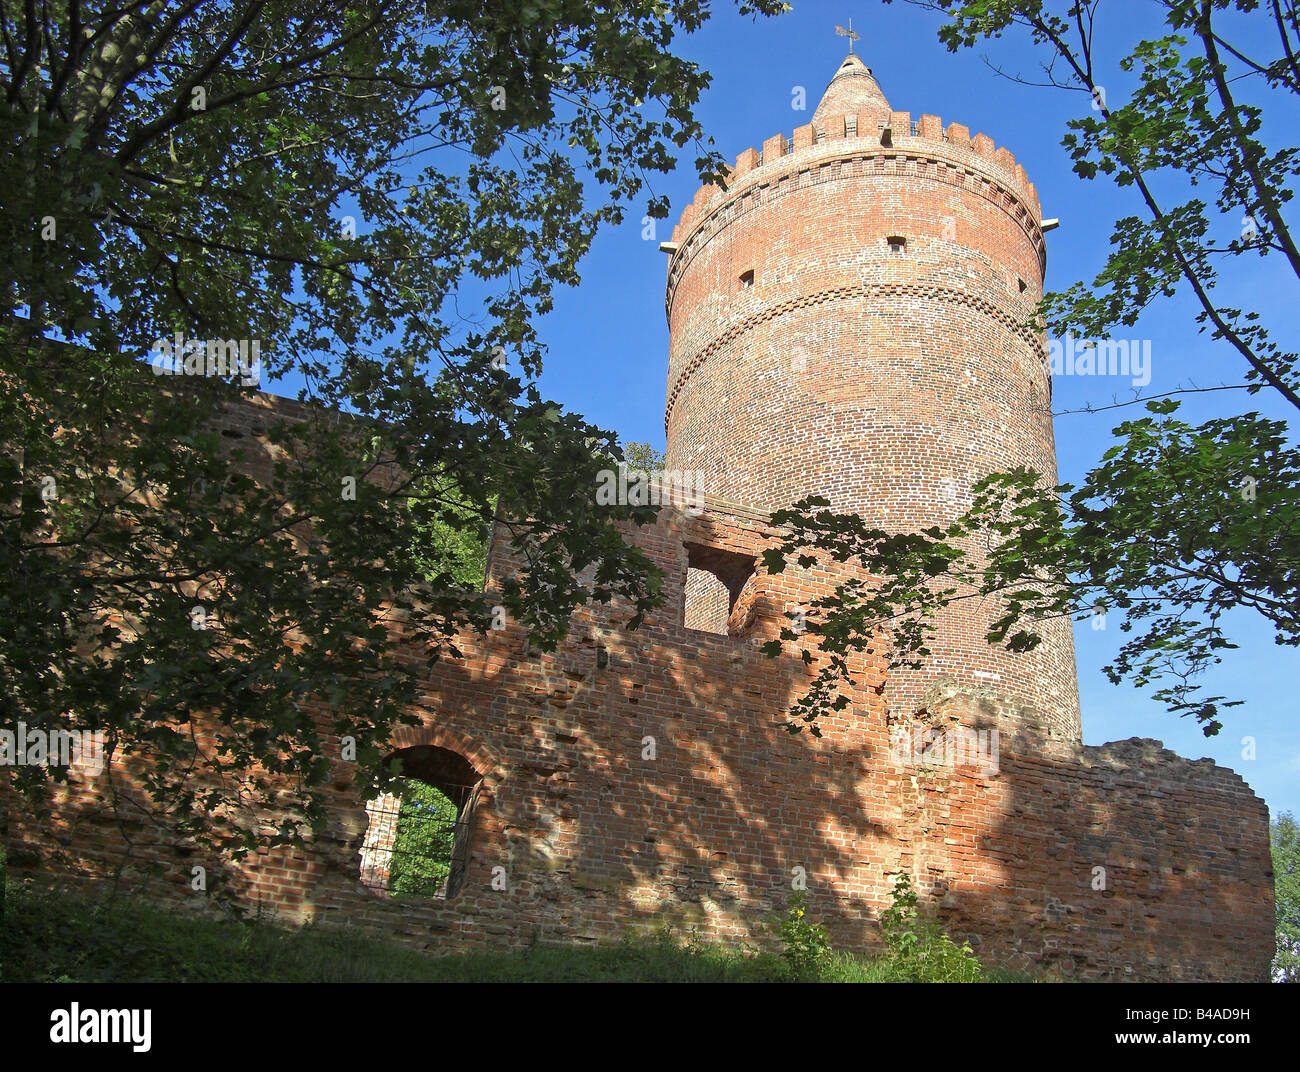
(747, 278)
(897, 243)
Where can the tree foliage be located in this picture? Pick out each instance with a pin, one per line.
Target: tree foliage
(1128, 541)
(643, 456)
(1285, 843)
(383, 197)
(424, 841)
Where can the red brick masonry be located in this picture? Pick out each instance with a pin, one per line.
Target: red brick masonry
(592, 838)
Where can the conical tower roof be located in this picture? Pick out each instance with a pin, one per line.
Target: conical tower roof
(852, 90)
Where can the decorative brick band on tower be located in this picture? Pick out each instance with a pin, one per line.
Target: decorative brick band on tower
(848, 320)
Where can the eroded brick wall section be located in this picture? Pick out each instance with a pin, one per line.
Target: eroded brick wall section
(381, 836)
(1124, 861)
(664, 788)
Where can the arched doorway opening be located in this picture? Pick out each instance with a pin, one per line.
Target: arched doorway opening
(417, 838)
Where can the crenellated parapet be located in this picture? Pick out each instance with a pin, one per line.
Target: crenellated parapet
(893, 145)
(905, 135)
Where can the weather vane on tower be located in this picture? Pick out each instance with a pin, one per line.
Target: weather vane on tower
(849, 34)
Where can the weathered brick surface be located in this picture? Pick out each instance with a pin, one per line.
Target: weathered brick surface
(633, 779)
(595, 838)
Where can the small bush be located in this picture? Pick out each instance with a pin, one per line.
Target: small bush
(804, 943)
(918, 950)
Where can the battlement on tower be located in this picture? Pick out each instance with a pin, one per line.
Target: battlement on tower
(924, 139)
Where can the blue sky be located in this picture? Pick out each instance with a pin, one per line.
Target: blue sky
(608, 339)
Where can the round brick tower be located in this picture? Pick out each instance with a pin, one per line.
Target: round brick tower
(847, 320)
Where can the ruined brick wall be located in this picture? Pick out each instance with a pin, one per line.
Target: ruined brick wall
(636, 779)
(381, 836)
(808, 357)
(659, 787)
(1124, 861)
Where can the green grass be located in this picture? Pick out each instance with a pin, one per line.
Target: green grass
(73, 937)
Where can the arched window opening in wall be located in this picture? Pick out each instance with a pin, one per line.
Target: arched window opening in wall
(417, 838)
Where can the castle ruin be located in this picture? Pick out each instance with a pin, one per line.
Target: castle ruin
(847, 319)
